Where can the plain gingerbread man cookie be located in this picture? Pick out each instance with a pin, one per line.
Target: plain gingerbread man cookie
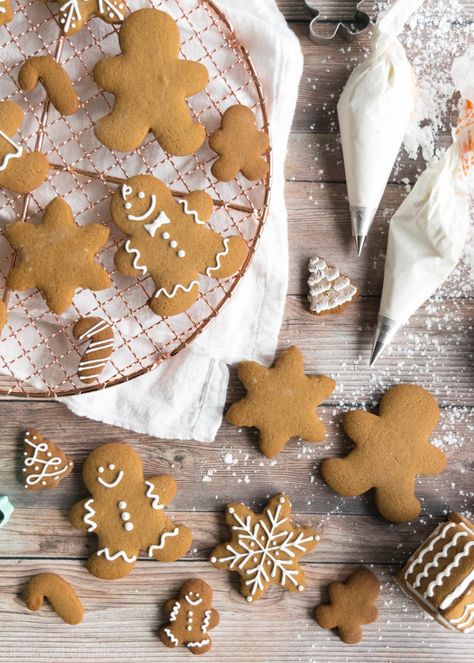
(126, 513)
(392, 449)
(150, 84)
(191, 617)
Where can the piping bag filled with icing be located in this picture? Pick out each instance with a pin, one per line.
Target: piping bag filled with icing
(429, 230)
(374, 111)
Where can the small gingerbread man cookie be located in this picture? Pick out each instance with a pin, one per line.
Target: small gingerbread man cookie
(74, 14)
(191, 617)
(240, 146)
(126, 513)
(351, 605)
(6, 13)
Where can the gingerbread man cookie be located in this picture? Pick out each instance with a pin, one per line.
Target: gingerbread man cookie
(150, 84)
(351, 605)
(62, 597)
(281, 402)
(56, 82)
(392, 449)
(170, 240)
(6, 13)
(44, 464)
(191, 617)
(240, 146)
(74, 14)
(57, 256)
(20, 171)
(126, 513)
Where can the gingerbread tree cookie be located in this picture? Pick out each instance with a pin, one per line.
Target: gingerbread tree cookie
(281, 402)
(351, 605)
(44, 464)
(329, 290)
(74, 14)
(170, 240)
(57, 256)
(150, 84)
(240, 146)
(191, 617)
(126, 513)
(392, 449)
(6, 13)
(264, 548)
(20, 171)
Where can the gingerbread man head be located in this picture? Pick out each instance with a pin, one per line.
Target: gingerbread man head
(110, 466)
(190, 594)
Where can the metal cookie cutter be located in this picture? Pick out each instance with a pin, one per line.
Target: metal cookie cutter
(6, 510)
(350, 31)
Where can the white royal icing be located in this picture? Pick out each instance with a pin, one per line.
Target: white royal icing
(70, 15)
(2, 9)
(162, 542)
(443, 530)
(11, 155)
(130, 249)
(219, 255)
(205, 621)
(88, 518)
(327, 288)
(175, 611)
(466, 621)
(42, 467)
(113, 483)
(438, 581)
(120, 554)
(170, 635)
(191, 602)
(439, 556)
(153, 496)
(161, 220)
(190, 212)
(201, 643)
(111, 9)
(178, 286)
(458, 591)
(147, 214)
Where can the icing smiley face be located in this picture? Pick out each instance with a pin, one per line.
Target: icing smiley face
(138, 204)
(193, 598)
(103, 480)
(107, 468)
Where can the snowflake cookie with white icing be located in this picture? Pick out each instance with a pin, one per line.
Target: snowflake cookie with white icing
(74, 14)
(264, 548)
(191, 617)
(170, 240)
(329, 291)
(126, 513)
(44, 463)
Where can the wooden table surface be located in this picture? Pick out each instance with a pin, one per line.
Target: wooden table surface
(436, 351)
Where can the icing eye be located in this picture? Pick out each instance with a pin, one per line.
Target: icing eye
(100, 469)
(128, 205)
(141, 195)
(111, 466)
(198, 595)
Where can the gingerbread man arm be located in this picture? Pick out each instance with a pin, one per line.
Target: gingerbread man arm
(108, 73)
(396, 501)
(214, 619)
(124, 262)
(76, 515)
(164, 489)
(345, 475)
(359, 425)
(194, 76)
(433, 461)
(174, 541)
(168, 607)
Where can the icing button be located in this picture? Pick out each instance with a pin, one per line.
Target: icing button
(128, 527)
(125, 515)
(181, 253)
(165, 235)
(173, 243)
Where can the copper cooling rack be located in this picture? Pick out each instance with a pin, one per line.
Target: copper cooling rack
(38, 354)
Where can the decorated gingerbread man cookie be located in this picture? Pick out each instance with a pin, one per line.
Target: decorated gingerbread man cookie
(150, 84)
(6, 13)
(191, 617)
(74, 14)
(126, 513)
(170, 240)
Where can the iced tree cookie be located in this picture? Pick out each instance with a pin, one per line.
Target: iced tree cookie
(439, 575)
(56, 82)
(191, 617)
(170, 240)
(351, 604)
(44, 464)
(57, 256)
(101, 342)
(281, 402)
(329, 290)
(6, 13)
(150, 84)
(74, 14)
(264, 548)
(20, 171)
(62, 597)
(240, 146)
(392, 449)
(126, 513)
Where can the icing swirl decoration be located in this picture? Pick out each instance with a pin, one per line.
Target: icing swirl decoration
(44, 464)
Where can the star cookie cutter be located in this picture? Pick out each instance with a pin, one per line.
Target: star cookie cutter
(349, 30)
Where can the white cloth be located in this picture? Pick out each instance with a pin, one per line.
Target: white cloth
(184, 398)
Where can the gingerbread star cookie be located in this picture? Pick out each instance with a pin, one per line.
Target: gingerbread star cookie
(351, 605)
(6, 13)
(44, 464)
(150, 84)
(392, 449)
(281, 402)
(329, 290)
(240, 146)
(264, 548)
(57, 256)
(74, 14)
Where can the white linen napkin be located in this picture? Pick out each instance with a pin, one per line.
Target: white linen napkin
(184, 397)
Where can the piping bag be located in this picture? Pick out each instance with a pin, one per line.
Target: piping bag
(374, 112)
(428, 232)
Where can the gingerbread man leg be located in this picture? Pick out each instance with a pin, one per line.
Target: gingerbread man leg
(235, 251)
(116, 132)
(200, 647)
(181, 299)
(111, 567)
(396, 501)
(179, 131)
(173, 542)
(344, 475)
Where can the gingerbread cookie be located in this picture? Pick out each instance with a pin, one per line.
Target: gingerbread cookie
(3, 315)
(170, 240)
(240, 146)
(329, 291)
(265, 548)
(74, 14)
(191, 616)
(6, 13)
(20, 171)
(392, 449)
(57, 256)
(44, 464)
(439, 575)
(62, 597)
(101, 345)
(351, 605)
(281, 402)
(126, 513)
(55, 80)
(150, 84)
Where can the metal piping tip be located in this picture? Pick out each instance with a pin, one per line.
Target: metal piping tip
(384, 335)
(361, 221)
(360, 241)
(376, 352)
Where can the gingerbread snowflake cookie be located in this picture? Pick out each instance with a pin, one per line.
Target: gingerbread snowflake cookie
(351, 605)
(6, 13)
(150, 84)
(126, 512)
(240, 146)
(170, 240)
(74, 14)
(329, 291)
(392, 449)
(191, 617)
(281, 402)
(44, 464)
(439, 575)
(264, 548)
